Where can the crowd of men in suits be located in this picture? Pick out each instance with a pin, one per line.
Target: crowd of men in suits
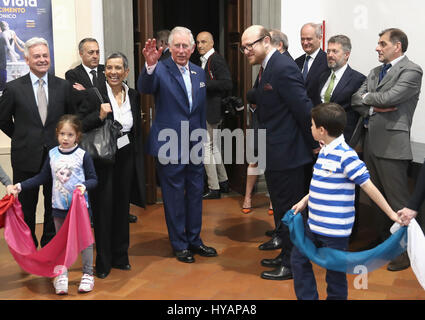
(286, 90)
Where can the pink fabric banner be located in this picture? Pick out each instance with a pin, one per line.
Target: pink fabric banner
(61, 252)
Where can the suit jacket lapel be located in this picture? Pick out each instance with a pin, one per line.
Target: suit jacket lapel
(29, 91)
(345, 79)
(175, 72)
(85, 77)
(52, 96)
(196, 84)
(393, 71)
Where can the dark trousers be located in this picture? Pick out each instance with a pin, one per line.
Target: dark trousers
(182, 187)
(29, 200)
(391, 178)
(111, 204)
(286, 188)
(304, 280)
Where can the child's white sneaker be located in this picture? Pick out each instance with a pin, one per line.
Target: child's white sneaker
(86, 284)
(61, 284)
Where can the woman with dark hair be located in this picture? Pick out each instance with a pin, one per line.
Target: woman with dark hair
(122, 180)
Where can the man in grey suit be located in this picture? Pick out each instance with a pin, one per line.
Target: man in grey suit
(387, 99)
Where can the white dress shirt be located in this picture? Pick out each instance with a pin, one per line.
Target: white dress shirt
(205, 57)
(122, 114)
(88, 70)
(338, 75)
(312, 57)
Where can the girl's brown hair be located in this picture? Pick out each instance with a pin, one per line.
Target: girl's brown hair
(74, 122)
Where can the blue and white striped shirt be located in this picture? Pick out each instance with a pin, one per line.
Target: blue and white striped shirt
(332, 190)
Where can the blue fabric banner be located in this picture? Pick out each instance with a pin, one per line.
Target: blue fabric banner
(343, 261)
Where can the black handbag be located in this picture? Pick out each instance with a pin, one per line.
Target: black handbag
(101, 142)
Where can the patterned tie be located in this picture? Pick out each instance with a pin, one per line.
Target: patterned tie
(188, 84)
(42, 101)
(330, 88)
(305, 69)
(94, 80)
(383, 72)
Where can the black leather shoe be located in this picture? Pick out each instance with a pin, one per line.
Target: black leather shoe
(185, 256)
(122, 266)
(102, 275)
(272, 244)
(204, 251)
(212, 194)
(281, 273)
(271, 233)
(400, 263)
(132, 218)
(272, 263)
(224, 187)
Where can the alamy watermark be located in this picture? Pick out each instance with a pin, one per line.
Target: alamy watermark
(186, 147)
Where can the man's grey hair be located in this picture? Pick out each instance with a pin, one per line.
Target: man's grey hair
(181, 30)
(317, 28)
(163, 36)
(117, 55)
(343, 40)
(34, 42)
(277, 37)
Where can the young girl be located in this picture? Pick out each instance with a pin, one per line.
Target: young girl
(70, 167)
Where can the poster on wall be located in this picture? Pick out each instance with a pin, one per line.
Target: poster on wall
(21, 20)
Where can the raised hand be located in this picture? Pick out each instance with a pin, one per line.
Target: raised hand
(151, 53)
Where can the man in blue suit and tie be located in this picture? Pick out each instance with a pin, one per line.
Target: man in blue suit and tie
(284, 111)
(177, 132)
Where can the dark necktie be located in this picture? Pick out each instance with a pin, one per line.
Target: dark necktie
(383, 72)
(94, 80)
(305, 69)
(260, 74)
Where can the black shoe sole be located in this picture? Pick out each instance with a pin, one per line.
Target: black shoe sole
(277, 278)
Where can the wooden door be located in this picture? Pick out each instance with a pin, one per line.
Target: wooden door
(238, 18)
(143, 30)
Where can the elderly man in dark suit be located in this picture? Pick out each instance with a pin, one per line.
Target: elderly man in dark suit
(219, 85)
(179, 87)
(283, 110)
(388, 99)
(340, 81)
(162, 41)
(313, 63)
(280, 41)
(30, 108)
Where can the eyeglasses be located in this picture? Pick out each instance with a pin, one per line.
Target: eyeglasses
(249, 46)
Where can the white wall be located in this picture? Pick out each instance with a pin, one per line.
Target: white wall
(362, 21)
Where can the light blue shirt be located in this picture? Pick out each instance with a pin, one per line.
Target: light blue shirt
(35, 84)
(188, 83)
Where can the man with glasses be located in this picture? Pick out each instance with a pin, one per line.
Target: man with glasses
(283, 109)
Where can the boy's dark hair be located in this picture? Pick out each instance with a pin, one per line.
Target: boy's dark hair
(330, 116)
(75, 123)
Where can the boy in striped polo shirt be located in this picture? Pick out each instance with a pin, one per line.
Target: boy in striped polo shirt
(331, 201)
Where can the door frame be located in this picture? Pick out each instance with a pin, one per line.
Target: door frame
(143, 30)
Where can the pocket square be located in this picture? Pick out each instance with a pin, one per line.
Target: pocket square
(202, 84)
(267, 87)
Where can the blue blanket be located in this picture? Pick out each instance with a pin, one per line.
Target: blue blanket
(344, 261)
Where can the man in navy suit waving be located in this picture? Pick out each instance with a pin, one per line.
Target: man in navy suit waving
(283, 110)
(179, 87)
